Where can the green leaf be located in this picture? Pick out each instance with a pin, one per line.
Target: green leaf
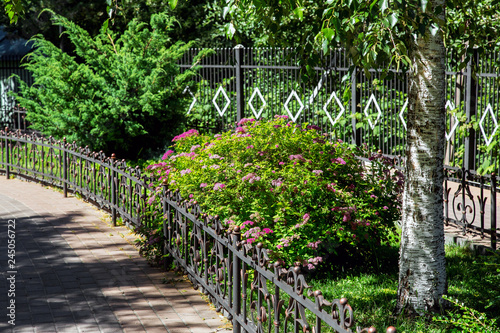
(384, 4)
(105, 24)
(328, 33)
(299, 12)
(324, 45)
(393, 19)
(173, 3)
(423, 5)
(224, 12)
(230, 30)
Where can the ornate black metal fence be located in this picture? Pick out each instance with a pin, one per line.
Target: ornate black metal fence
(263, 82)
(255, 294)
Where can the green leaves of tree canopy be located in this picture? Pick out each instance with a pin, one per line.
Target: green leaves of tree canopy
(120, 94)
(13, 8)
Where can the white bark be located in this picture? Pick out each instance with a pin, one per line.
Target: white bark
(422, 274)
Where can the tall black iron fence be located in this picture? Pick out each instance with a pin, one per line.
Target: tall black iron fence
(264, 82)
(256, 294)
(10, 115)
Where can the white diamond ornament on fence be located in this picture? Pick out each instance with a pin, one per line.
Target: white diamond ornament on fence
(294, 94)
(401, 114)
(454, 127)
(342, 109)
(257, 114)
(489, 110)
(214, 101)
(372, 100)
(187, 90)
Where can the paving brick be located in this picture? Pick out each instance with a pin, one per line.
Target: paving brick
(79, 274)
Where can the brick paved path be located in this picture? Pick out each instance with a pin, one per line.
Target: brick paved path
(76, 273)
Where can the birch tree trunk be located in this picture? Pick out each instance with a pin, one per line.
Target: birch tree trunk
(422, 274)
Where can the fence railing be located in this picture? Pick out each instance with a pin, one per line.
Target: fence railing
(256, 294)
(263, 82)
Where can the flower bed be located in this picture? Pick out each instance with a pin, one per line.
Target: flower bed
(287, 187)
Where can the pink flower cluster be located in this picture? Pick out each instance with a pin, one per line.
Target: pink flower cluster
(251, 177)
(219, 186)
(193, 148)
(167, 154)
(277, 182)
(305, 219)
(297, 157)
(244, 121)
(314, 245)
(313, 262)
(338, 160)
(191, 132)
(314, 127)
(287, 240)
(256, 231)
(215, 157)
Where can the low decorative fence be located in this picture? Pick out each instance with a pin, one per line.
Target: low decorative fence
(255, 294)
(107, 183)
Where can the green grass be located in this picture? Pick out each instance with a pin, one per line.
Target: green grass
(472, 279)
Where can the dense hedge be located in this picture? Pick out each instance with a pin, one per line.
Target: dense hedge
(120, 93)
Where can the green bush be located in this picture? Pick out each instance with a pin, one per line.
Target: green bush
(286, 187)
(121, 94)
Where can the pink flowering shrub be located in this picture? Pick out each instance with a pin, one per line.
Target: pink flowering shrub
(286, 186)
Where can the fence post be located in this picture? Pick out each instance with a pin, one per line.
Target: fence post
(355, 108)
(236, 237)
(471, 110)
(113, 190)
(7, 159)
(65, 169)
(240, 97)
(493, 226)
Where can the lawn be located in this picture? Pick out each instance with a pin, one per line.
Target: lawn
(473, 279)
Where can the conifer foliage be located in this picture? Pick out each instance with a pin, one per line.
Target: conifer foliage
(120, 94)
